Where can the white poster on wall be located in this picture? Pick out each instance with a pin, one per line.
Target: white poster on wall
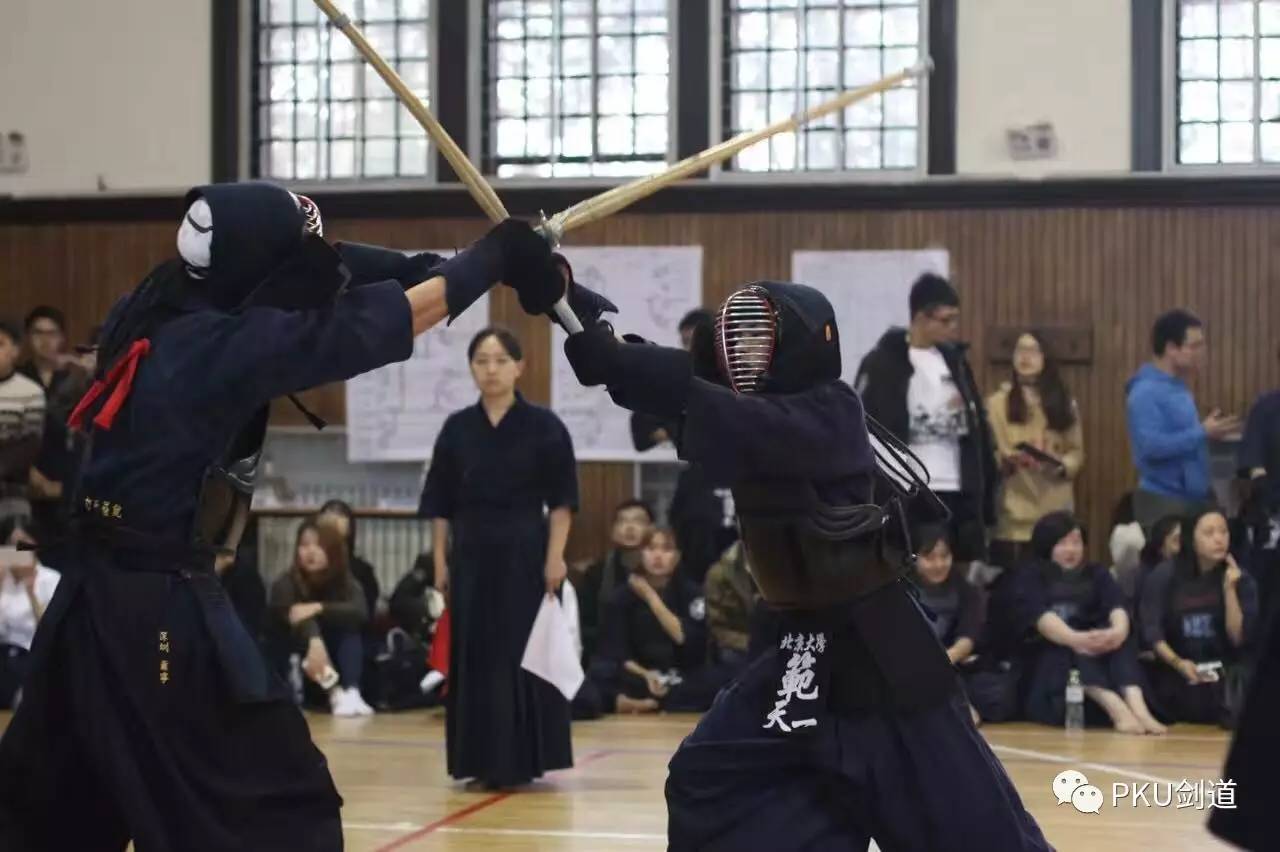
(394, 413)
(869, 291)
(653, 287)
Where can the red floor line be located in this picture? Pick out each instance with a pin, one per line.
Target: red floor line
(463, 813)
(445, 820)
(593, 757)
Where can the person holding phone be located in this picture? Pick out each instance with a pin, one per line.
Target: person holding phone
(26, 587)
(1199, 614)
(319, 605)
(1039, 447)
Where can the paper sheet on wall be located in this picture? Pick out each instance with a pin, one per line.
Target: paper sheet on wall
(395, 413)
(869, 291)
(653, 287)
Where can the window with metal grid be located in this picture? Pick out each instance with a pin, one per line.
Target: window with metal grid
(1226, 81)
(319, 112)
(576, 88)
(783, 56)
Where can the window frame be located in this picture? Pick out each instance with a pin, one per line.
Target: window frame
(720, 57)
(235, 67)
(477, 82)
(1170, 124)
(251, 65)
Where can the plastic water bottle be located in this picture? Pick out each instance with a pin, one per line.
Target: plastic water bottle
(1075, 702)
(295, 677)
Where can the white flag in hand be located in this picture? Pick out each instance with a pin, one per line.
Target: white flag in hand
(550, 652)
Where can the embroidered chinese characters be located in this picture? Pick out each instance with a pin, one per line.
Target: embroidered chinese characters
(164, 656)
(797, 681)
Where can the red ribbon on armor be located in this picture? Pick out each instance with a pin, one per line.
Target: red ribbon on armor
(121, 376)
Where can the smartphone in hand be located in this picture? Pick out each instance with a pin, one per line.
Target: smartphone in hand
(1041, 456)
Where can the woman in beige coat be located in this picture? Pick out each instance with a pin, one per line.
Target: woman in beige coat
(1039, 447)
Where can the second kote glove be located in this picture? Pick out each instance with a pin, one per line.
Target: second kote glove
(589, 305)
(513, 253)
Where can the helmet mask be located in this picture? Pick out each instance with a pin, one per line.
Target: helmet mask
(772, 337)
(256, 243)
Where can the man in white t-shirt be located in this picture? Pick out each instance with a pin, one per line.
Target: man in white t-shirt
(26, 587)
(919, 385)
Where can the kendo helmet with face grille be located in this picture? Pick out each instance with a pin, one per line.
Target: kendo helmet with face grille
(776, 337)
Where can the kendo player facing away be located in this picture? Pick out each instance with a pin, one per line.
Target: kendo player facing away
(149, 713)
(851, 725)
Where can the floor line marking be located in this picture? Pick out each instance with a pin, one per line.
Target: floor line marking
(531, 832)
(380, 826)
(448, 819)
(463, 813)
(1050, 757)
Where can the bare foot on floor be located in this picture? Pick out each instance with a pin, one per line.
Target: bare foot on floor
(1152, 726)
(627, 704)
(1130, 726)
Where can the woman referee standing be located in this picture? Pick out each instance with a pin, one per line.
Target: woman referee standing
(501, 491)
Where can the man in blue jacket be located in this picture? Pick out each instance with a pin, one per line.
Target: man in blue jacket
(1170, 442)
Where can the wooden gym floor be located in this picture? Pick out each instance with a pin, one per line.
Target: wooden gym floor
(390, 770)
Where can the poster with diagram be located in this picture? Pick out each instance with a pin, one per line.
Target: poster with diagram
(653, 287)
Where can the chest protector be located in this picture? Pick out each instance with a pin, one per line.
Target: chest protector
(806, 553)
(226, 490)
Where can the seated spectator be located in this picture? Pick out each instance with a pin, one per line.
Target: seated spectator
(653, 645)
(957, 606)
(596, 584)
(1199, 613)
(1079, 611)
(26, 587)
(343, 517)
(1162, 545)
(64, 383)
(731, 596)
(321, 605)
(22, 415)
(1034, 412)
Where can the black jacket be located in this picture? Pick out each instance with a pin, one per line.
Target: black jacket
(883, 378)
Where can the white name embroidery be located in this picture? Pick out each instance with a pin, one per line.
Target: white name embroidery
(797, 680)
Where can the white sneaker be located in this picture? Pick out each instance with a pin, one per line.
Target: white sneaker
(340, 703)
(357, 704)
(431, 682)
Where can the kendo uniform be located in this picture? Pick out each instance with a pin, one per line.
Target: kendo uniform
(504, 725)
(150, 713)
(1254, 755)
(1260, 448)
(1084, 599)
(632, 632)
(850, 726)
(1255, 750)
(1185, 608)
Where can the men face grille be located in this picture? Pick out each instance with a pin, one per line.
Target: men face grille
(746, 336)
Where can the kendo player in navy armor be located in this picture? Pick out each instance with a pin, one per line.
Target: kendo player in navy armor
(851, 725)
(149, 713)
